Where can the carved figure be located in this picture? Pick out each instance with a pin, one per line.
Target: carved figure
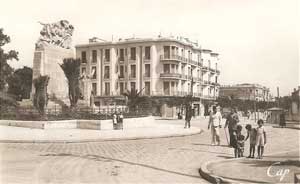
(58, 33)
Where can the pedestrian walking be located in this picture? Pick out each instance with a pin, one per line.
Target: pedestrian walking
(282, 122)
(261, 138)
(121, 117)
(251, 134)
(114, 118)
(231, 122)
(214, 124)
(188, 117)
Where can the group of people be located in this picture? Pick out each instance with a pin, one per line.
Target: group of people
(257, 136)
(118, 121)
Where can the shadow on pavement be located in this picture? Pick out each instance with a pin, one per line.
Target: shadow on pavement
(266, 163)
(103, 158)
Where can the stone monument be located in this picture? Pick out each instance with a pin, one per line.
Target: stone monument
(51, 48)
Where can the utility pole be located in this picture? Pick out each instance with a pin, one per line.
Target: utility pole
(277, 96)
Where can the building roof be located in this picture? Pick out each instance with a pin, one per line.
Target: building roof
(179, 40)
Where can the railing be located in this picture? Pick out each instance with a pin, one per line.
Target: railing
(106, 60)
(146, 60)
(172, 57)
(170, 75)
(205, 68)
(146, 76)
(131, 76)
(168, 93)
(121, 59)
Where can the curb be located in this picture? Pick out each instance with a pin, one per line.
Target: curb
(209, 176)
(101, 140)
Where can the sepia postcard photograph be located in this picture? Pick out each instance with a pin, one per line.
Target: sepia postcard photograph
(149, 91)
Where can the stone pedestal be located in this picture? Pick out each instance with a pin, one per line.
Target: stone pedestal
(47, 61)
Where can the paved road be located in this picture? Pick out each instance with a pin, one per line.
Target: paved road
(166, 160)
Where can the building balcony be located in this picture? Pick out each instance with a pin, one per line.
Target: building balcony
(168, 93)
(170, 76)
(205, 69)
(131, 76)
(146, 59)
(185, 77)
(121, 59)
(106, 60)
(206, 82)
(193, 63)
(176, 58)
(146, 76)
(212, 70)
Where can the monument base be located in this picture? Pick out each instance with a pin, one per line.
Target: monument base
(47, 61)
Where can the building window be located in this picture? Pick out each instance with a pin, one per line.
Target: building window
(94, 72)
(122, 58)
(121, 71)
(83, 70)
(166, 88)
(107, 88)
(94, 88)
(107, 55)
(121, 88)
(147, 70)
(147, 88)
(106, 72)
(94, 56)
(166, 68)
(83, 57)
(132, 87)
(133, 71)
(147, 53)
(166, 51)
(132, 53)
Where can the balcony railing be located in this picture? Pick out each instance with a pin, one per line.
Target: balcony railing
(121, 59)
(172, 57)
(205, 68)
(132, 76)
(146, 59)
(170, 75)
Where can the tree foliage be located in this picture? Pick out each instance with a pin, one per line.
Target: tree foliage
(40, 98)
(20, 83)
(71, 68)
(5, 69)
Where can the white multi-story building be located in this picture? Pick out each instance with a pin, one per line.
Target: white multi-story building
(160, 68)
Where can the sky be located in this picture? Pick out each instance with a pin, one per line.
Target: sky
(257, 39)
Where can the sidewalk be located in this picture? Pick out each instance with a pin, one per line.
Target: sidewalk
(155, 130)
(273, 168)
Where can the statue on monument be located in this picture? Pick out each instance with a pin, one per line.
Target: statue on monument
(58, 33)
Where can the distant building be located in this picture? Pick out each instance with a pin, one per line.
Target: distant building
(294, 113)
(246, 92)
(159, 67)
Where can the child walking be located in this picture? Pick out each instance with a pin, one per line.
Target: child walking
(251, 134)
(261, 138)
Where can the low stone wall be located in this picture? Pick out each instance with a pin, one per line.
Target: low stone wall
(67, 124)
(26, 124)
(89, 124)
(81, 124)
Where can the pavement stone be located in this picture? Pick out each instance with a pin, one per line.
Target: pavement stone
(163, 160)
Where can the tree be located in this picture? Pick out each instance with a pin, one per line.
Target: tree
(40, 97)
(20, 83)
(5, 69)
(71, 68)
